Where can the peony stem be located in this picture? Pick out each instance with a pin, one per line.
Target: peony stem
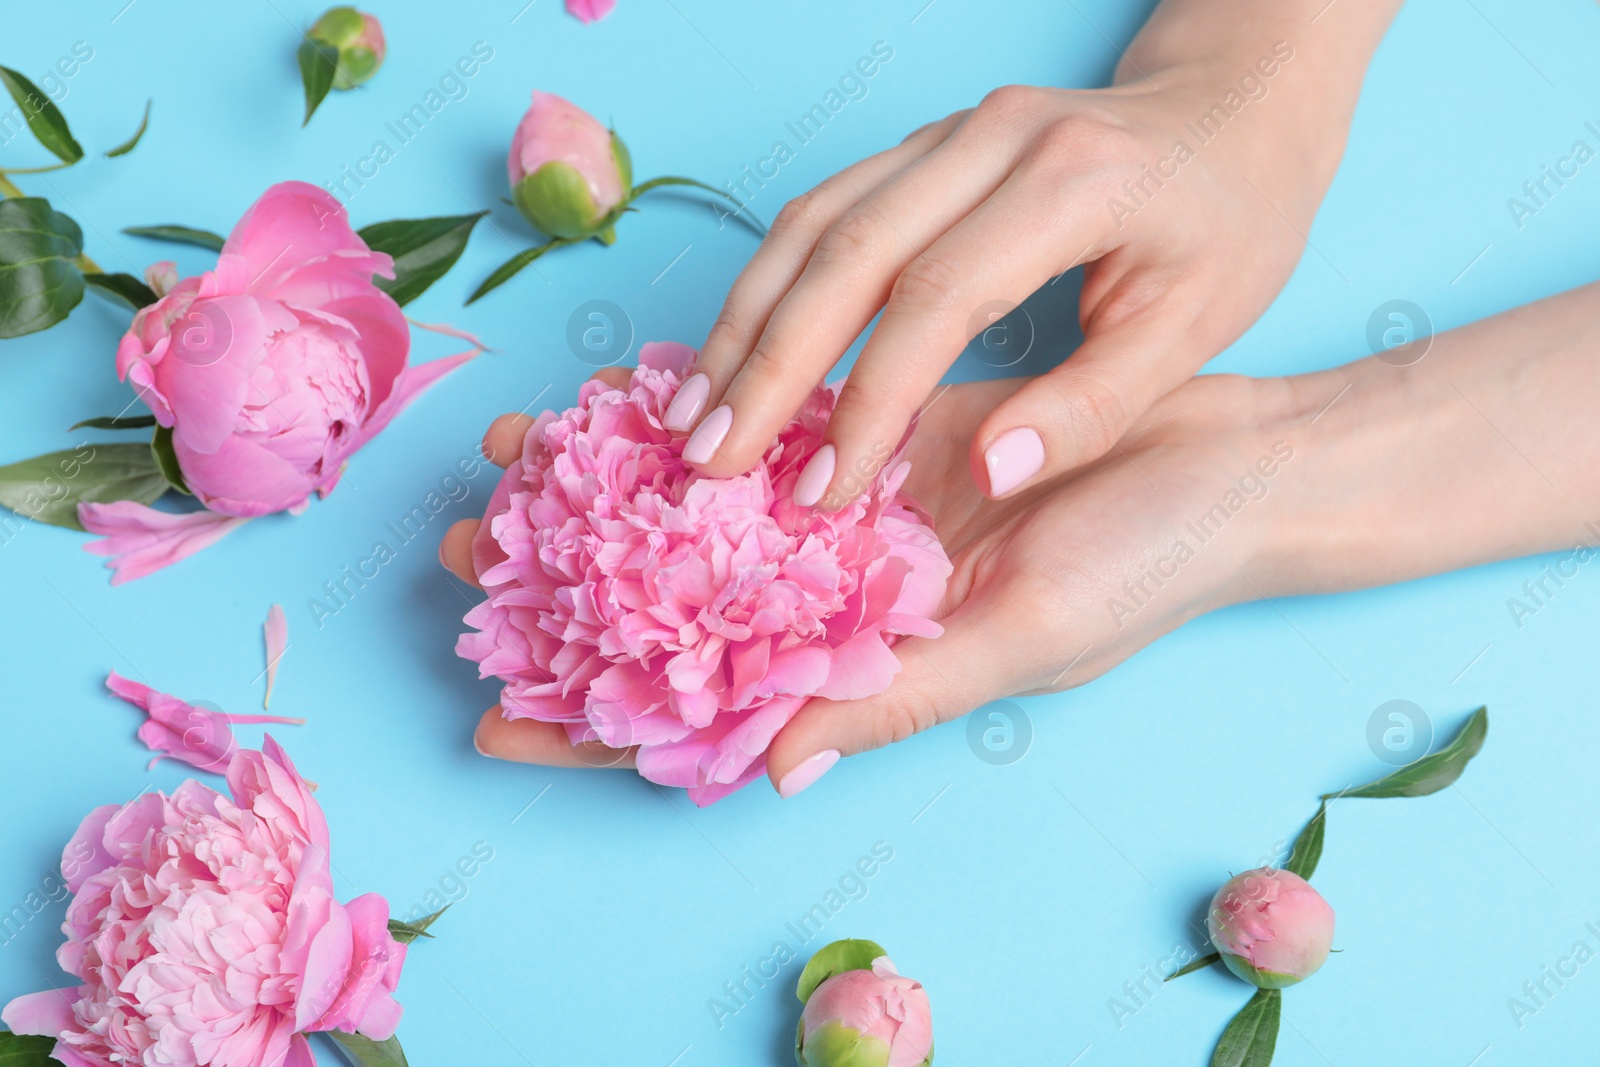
(7, 189)
(656, 183)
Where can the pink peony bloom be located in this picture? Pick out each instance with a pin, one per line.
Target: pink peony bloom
(270, 370)
(1271, 927)
(640, 603)
(867, 1019)
(200, 737)
(204, 930)
(590, 10)
(567, 171)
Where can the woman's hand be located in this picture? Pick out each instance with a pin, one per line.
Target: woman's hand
(1188, 188)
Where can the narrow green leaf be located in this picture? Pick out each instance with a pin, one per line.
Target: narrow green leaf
(318, 64)
(18, 1050)
(365, 1052)
(40, 283)
(423, 251)
(167, 460)
(1308, 846)
(49, 488)
(43, 117)
(183, 235)
(405, 932)
(853, 954)
(1433, 772)
(1251, 1037)
(115, 422)
(133, 142)
(1199, 963)
(510, 267)
(124, 288)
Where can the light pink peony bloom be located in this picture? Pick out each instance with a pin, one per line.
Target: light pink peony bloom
(270, 370)
(204, 930)
(640, 603)
(1271, 927)
(867, 1019)
(590, 10)
(178, 730)
(555, 139)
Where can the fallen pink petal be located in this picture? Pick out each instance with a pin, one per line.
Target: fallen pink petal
(178, 730)
(276, 632)
(141, 540)
(590, 10)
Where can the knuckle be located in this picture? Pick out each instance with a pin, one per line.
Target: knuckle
(726, 331)
(855, 234)
(1094, 416)
(907, 717)
(928, 283)
(804, 215)
(1010, 101)
(1080, 141)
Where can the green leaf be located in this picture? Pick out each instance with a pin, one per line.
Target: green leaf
(167, 459)
(183, 235)
(837, 958)
(318, 64)
(18, 1050)
(1433, 772)
(423, 250)
(124, 288)
(49, 488)
(405, 932)
(1253, 1034)
(1308, 846)
(43, 118)
(510, 267)
(40, 283)
(133, 142)
(365, 1052)
(1199, 963)
(115, 422)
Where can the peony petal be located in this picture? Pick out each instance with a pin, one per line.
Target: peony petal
(200, 737)
(141, 540)
(276, 632)
(590, 10)
(47, 1014)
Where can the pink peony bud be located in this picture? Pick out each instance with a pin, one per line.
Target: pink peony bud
(866, 1018)
(1271, 927)
(359, 39)
(570, 176)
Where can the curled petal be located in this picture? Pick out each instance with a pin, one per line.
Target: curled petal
(141, 540)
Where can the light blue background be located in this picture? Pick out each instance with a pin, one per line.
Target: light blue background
(1023, 896)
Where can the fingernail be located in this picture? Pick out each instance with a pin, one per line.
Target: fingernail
(807, 772)
(705, 441)
(690, 398)
(1013, 458)
(477, 744)
(816, 477)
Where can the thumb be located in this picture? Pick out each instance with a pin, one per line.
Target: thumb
(1078, 412)
(940, 679)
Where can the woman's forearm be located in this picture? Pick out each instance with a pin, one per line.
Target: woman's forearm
(1484, 449)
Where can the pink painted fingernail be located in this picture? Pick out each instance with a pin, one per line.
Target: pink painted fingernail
(816, 477)
(1015, 456)
(807, 772)
(705, 441)
(691, 397)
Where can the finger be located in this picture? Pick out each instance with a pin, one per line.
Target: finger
(940, 679)
(531, 741)
(455, 551)
(615, 377)
(503, 442)
(1079, 411)
(1029, 231)
(778, 262)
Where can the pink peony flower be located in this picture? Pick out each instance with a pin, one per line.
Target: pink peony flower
(178, 730)
(866, 1019)
(204, 930)
(639, 603)
(1271, 927)
(590, 10)
(270, 371)
(568, 173)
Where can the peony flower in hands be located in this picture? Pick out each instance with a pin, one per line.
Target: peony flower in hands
(1271, 928)
(265, 375)
(639, 603)
(203, 929)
